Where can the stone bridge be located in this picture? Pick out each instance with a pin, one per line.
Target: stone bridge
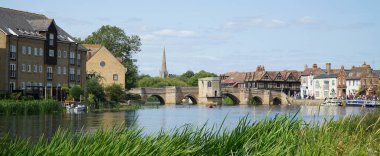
(168, 95)
(175, 95)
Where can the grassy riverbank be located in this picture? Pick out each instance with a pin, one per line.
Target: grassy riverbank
(283, 135)
(27, 107)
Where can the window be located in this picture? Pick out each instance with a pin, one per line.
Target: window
(72, 58)
(317, 93)
(316, 84)
(12, 55)
(78, 75)
(12, 86)
(35, 68)
(266, 77)
(23, 67)
(51, 39)
(49, 73)
(78, 60)
(326, 93)
(41, 86)
(72, 74)
(35, 51)
(29, 50)
(64, 54)
(22, 85)
(23, 50)
(115, 77)
(333, 83)
(41, 68)
(59, 53)
(59, 70)
(28, 84)
(102, 63)
(51, 53)
(29, 68)
(209, 84)
(41, 52)
(12, 70)
(64, 70)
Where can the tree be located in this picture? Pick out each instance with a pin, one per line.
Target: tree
(115, 40)
(159, 82)
(75, 92)
(193, 81)
(132, 75)
(93, 87)
(115, 93)
(186, 76)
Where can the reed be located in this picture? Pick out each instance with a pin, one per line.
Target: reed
(282, 135)
(27, 107)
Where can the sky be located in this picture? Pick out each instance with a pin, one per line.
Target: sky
(222, 35)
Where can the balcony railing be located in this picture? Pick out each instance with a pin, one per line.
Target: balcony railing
(49, 76)
(12, 55)
(12, 74)
(72, 61)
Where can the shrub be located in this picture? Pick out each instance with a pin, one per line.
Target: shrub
(75, 92)
(115, 93)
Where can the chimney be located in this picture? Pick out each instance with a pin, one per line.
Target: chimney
(305, 66)
(315, 66)
(328, 68)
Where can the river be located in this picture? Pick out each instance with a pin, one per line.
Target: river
(166, 117)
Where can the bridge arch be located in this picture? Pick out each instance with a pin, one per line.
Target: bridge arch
(234, 99)
(161, 99)
(193, 98)
(276, 101)
(256, 100)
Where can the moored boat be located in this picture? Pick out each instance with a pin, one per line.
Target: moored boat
(361, 102)
(332, 102)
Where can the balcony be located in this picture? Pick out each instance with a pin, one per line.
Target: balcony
(72, 61)
(78, 78)
(49, 76)
(12, 55)
(12, 74)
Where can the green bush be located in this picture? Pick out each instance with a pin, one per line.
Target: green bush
(76, 92)
(115, 93)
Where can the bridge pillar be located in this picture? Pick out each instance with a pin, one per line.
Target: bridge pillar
(172, 95)
(267, 97)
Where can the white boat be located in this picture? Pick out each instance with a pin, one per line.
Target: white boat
(332, 102)
(360, 102)
(76, 107)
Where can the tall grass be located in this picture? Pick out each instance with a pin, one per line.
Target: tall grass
(282, 135)
(13, 107)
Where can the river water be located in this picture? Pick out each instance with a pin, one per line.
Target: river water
(167, 117)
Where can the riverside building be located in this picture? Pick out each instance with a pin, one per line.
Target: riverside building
(38, 57)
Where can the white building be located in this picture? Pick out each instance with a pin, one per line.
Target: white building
(325, 86)
(307, 77)
(353, 86)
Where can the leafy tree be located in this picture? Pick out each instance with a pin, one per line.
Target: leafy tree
(93, 87)
(378, 93)
(159, 82)
(115, 40)
(132, 75)
(193, 81)
(75, 92)
(115, 93)
(186, 76)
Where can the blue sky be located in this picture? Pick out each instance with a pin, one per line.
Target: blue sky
(221, 36)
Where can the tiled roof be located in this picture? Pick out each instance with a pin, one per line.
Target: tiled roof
(21, 23)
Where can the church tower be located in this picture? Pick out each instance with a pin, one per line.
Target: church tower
(163, 71)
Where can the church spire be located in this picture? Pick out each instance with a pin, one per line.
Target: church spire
(163, 71)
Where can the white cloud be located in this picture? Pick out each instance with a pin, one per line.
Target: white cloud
(175, 33)
(308, 20)
(255, 23)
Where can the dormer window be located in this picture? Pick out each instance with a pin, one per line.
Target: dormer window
(51, 39)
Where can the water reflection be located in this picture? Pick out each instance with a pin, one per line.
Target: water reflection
(153, 119)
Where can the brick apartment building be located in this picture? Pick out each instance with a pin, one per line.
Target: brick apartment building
(38, 57)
